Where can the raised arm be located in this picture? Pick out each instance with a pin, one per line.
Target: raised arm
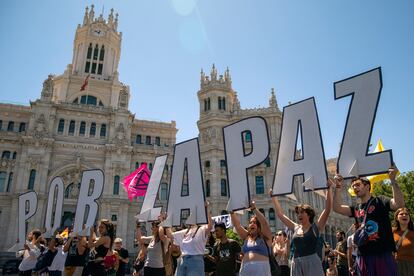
(279, 212)
(92, 242)
(323, 218)
(263, 222)
(337, 200)
(236, 223)
(397, 200)
(210, 220)
(67, 244)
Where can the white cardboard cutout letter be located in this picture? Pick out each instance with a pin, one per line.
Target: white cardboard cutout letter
(187, 153)
(29, 198)
(56, 183)
(85, 200)
(238, 162)
(301, 115)
(148, 211)
(354, 160)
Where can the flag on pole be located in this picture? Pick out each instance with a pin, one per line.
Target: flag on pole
(136, 183)
(65, 233)
(85, 83)
(374, 178)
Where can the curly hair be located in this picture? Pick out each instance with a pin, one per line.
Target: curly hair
(110, 230)
(397, 223)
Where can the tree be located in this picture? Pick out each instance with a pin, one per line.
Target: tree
(406, 183)
(232, 235)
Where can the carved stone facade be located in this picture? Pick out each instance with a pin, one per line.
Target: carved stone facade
(69, 129)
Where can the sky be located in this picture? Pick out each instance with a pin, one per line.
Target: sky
(299, 48)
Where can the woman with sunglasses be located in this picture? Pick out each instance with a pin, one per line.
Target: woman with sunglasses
(306, 234)
(404, 241)
(157, 246)
(281, 250)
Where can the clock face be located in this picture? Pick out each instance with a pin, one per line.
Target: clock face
(98, 32)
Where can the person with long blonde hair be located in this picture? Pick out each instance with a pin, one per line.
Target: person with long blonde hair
(404, 241)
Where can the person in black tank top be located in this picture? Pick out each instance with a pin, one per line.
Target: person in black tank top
(306, 234)
(77, 249)
(99, 248)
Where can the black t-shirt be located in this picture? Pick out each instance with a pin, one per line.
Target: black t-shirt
(377, 225)
(226, 254)
(123, 253)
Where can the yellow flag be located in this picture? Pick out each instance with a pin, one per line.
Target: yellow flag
(65, 233)
(374, 178)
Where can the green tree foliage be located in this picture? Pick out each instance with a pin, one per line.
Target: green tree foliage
(232, 235)
(406, 183)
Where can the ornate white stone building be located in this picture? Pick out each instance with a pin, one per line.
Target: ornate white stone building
(70, 129)
(74, 126)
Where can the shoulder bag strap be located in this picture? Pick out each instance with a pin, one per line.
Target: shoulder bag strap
(401, 239)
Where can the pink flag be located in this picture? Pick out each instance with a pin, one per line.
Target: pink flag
(136, 183)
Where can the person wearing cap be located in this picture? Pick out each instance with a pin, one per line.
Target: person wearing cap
(375, 253)
(123, 257)
(226, 252)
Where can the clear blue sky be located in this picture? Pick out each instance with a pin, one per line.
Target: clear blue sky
(298, 47)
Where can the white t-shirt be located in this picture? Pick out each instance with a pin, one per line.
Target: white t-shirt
(350, 244)
(59, 260)
(29, 257)
(192, 243)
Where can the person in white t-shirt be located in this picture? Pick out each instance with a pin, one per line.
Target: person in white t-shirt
(192, 242)
(352, 251)
(30, 253)
(58, 264)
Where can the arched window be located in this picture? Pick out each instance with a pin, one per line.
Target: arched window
(14, 155)
(68, 191)
(116, 185)
(103, 130)
(157, 141)
(95, 52)
(89, 55)
(222, 163)
(22, 127)
(82, 128)
(148, 140)
(71, 127)
(223, 103)
(1, 124)
(61, 126)
(163, 191)
(223, 187)
(207, 188)
(219, 103)
(150, 166)
(102, 53)
(9, 182)
(138, 139)
(259, 184)
(208, 104)
(136, 165)
(2, 181)
(10, 127)
(272, 218)
(88, 100)
(32, 179)
(92, 131)
(5, 154)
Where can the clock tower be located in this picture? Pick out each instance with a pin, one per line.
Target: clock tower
(92, 77)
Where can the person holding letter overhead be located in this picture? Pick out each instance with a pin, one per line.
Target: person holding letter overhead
(306, 233)
(192, 242)
(257, 243)
(374, 237)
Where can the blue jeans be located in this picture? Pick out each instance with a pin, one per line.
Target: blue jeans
(191, 265)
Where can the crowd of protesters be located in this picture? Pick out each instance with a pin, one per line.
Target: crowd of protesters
(371, 246)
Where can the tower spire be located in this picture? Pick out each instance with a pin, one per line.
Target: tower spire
(272, 100)
(92, 13)
(86, 17)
